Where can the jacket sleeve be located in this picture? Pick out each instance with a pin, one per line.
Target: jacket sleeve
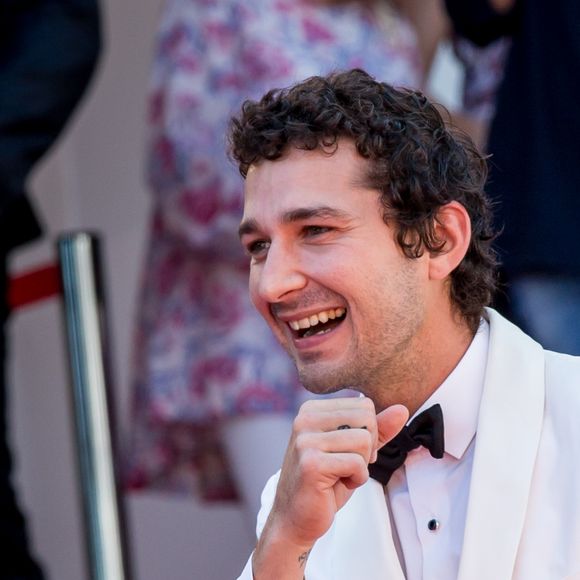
(268, 495)
(48, 51)
(479, 22)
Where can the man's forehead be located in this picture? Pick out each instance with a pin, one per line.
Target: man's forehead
(303, 184)
(342, 153)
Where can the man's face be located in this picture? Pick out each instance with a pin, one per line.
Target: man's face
(327, 274)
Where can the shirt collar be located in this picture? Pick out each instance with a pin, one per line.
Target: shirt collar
(460, 395)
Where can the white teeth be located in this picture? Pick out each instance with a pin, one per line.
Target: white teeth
(314, 319)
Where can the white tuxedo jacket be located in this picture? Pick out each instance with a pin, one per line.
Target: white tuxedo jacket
(523, 515)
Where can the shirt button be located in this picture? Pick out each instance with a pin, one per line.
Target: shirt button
(433, 525)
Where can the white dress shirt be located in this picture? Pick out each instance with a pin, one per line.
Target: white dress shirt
(427, 497)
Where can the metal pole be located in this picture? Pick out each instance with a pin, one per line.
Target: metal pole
(85, 321)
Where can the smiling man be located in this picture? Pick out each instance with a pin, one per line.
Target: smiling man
(330, 278)
(370, 242)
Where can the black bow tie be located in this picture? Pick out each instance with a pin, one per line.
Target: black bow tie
(425, 429)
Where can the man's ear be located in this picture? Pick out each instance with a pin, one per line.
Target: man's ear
(453, 229)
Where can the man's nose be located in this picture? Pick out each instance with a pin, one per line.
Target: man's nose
(280, 275)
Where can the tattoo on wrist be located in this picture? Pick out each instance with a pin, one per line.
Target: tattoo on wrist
(302, 558)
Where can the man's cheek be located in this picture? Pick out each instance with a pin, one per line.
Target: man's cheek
(254, 296)
(259, 304)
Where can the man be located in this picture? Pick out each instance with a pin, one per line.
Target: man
(48, 51)
(370, 243)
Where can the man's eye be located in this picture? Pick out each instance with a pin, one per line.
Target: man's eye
(257, 248)
(316, 230)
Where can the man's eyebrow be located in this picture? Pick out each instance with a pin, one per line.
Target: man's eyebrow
(321, 211)
(250, 225)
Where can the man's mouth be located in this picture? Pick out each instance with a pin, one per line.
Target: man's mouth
(319, 323)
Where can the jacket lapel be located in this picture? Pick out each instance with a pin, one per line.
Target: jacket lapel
(508, 434)
(362, 542)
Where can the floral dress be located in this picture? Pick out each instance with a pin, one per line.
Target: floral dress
(202, 353)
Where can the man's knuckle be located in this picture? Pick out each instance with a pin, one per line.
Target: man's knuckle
(301, 443)
(367, 404)
(309, 461)
(366, 438)
(300, 422)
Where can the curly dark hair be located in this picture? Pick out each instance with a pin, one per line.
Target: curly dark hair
(417, 163)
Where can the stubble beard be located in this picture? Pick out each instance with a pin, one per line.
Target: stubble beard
(366, 370)
(379, 369)
(322, 382)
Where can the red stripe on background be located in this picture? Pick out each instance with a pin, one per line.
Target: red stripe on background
(33, 286)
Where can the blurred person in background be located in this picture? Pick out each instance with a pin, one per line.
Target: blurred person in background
(214, 394)
(534, 141)
(48, 52)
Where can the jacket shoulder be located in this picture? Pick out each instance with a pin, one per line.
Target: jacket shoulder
(563, 378)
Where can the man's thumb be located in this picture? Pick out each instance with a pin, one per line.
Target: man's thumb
(390, 421)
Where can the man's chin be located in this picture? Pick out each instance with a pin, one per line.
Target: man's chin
(320, 382)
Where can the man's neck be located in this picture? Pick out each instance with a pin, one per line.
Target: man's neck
(437, 351)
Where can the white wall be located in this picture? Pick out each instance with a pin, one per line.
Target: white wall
(93, 179)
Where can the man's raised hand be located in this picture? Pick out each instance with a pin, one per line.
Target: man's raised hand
(332, 443)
